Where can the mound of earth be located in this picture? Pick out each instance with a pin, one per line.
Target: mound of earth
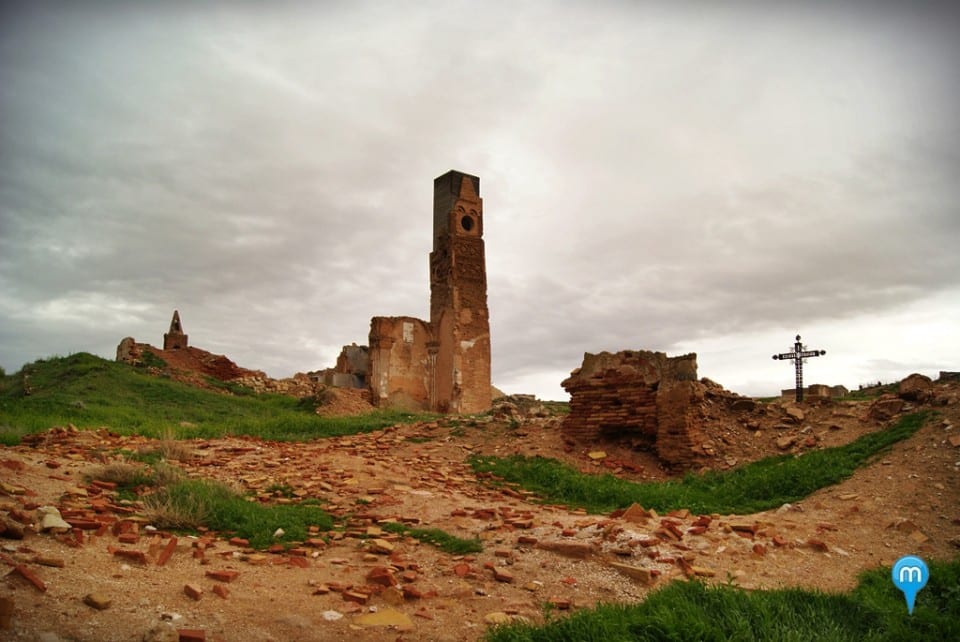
(110, 576)
(337, 402)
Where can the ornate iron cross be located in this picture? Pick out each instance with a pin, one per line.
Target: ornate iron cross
(798, 355)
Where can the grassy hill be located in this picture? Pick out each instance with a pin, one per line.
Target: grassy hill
(90, 392)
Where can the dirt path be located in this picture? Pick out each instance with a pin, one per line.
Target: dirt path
(906, 503)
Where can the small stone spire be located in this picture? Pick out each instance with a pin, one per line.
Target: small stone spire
(175, 339)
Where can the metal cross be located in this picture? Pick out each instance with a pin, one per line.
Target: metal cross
(798, 355)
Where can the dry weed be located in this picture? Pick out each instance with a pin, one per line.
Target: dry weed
(169, 448)
(165, 511)
(122, 473)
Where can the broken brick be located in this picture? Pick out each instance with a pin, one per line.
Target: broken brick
(193, 591)
(167, 551)
(30, 576)
(502, 575)
(382, 575)
(355, 596)
(223, 576)
(411, 592)
(134, 556)
(818, 545)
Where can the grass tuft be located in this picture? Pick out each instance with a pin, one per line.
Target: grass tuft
(758, 486)
(195, 502)
(124, 474)
(436, 537)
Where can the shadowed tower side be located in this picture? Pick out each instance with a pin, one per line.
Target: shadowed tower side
(460, 353)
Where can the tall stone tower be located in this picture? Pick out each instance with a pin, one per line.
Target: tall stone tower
(175, 339)
(459, 355)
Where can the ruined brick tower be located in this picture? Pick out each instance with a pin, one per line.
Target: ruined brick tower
(175, 339)
(460, 350)
(442, 364)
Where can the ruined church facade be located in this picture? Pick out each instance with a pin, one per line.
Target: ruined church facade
(442, 364)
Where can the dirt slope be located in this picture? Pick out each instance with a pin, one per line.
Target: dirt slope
(908, 502)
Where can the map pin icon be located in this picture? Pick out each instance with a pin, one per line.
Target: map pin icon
(910, 574)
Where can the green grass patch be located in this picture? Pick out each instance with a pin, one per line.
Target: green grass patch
(874, 611)
(760, 485)
(150, 360)
(557, 407)
(867, 394)
(191, 503)
(90, 392)
(436, 537)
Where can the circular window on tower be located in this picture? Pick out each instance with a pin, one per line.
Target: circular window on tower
(467, 223)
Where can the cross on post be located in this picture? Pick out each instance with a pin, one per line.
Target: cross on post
(798, 355)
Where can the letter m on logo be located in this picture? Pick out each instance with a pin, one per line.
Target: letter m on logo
(910, 574)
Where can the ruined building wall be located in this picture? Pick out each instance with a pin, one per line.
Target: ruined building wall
(645, 398)
(400, 368)
(352, 369)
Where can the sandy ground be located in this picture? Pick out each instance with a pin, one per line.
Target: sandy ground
(907, 502)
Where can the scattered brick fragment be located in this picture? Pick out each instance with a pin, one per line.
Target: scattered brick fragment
(299, 562)
(98, 601)
(578, 550)
(6, 613)
(355, 596)
(30, 576)
(134, 556)
(411, 592)
(502, 575)
(223, 576)
(192, 635)
(818, 545)
(382, 575)
(193, 591)
(167, 551)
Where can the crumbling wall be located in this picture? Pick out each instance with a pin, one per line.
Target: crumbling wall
(352, 369)
(128, 351)
(645, 398)
(400, 363)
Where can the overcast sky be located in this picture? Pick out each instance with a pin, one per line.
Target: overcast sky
(674, 176)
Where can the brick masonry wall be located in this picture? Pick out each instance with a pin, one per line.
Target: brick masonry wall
(642, 397)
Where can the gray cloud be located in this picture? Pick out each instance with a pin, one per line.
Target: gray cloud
(655, 175)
